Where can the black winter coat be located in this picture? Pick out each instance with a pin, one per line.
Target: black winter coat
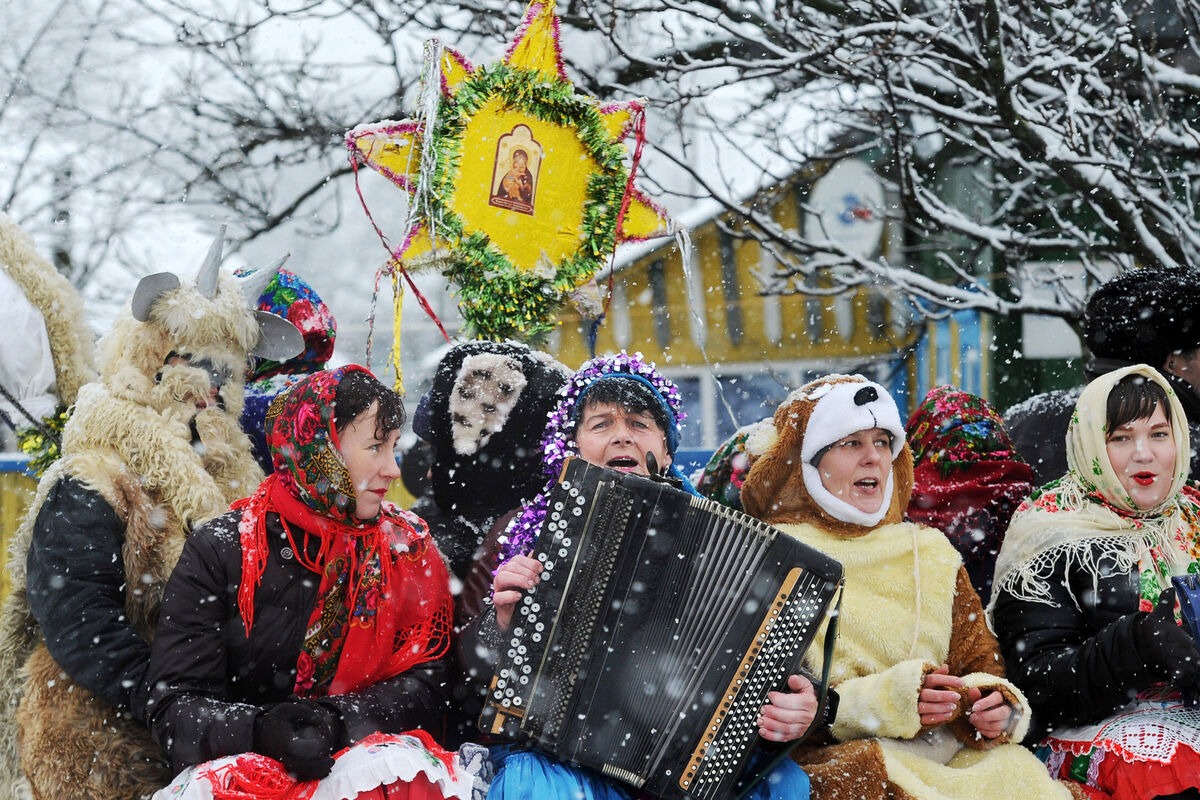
(75, 578)
(209, 680)
(1076, 658)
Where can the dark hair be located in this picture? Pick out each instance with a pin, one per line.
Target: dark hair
(355, 394)
(1134, 397)
(632, 395)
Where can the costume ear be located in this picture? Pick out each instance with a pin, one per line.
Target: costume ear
(278, 339)
(779, 462)
(148, 290)
(902, 486)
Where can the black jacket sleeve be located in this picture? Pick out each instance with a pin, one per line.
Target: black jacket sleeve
(1076, 658)
(189, 713)
(416, 698)
(76, 586)
(478, 649)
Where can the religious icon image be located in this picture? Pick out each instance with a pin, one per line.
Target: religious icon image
(518, 157)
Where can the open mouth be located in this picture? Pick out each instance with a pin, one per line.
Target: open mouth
(622, 462)
(867, 484)
(1143, 478)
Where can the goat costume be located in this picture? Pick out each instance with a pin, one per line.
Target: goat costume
(910, 576)
(141, 466)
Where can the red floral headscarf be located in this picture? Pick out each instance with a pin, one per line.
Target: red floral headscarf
(384, 604)
(304, 445)
(967, 477)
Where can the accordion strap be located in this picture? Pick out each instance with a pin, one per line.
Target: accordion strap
(827, 657)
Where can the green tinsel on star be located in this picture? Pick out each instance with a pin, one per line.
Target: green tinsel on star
(496, 298)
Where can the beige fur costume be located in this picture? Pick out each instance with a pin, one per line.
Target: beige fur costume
(887, 642)
(129, 440)
(62, 309)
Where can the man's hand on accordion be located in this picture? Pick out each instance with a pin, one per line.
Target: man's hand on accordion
(513, 578)
(787, 716)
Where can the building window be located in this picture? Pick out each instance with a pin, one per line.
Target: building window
(814, 318)
(877, 316)
(658, 298)
(749, 396)
(731, 288)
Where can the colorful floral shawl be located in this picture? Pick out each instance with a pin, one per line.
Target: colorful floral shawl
(1087, 516)
(383, 605)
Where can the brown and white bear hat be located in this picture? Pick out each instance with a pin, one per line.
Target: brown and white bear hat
(784, 484)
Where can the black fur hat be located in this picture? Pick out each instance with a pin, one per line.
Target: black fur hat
(484, 416)
(1144, 315)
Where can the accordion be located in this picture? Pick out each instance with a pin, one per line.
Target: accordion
(660, 623)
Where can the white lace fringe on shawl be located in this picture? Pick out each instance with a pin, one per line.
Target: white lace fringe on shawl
(1086, 534)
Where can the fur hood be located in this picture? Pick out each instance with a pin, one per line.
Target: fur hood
(775, 490)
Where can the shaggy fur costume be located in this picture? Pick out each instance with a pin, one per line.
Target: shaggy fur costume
(61, 306)
(877, 748)
(130, 440)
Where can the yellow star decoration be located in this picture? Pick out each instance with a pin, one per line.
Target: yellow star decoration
(519, 185)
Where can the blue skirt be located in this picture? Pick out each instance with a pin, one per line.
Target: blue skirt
(530, 775)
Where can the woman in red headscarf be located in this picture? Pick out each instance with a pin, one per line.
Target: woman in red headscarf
(968, 479)
(303, 637)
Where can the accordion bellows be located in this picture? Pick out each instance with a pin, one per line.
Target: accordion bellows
(661, 622)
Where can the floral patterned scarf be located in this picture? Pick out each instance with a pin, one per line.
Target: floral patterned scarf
(383, 605)
(1087, 516)
(967, 478)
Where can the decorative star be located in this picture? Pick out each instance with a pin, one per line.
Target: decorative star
(518, 184)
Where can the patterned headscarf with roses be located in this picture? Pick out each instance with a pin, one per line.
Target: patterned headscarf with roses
(304, 445)
(383, 604)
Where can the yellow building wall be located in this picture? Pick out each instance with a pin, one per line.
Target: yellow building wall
(798, 336)
(16, 492)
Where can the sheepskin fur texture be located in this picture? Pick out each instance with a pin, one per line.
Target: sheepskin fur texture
(165, 466)
(71, 341)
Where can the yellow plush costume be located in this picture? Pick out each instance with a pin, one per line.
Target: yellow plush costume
(907, 608)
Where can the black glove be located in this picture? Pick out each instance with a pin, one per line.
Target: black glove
(1165, 647)
(303, 735)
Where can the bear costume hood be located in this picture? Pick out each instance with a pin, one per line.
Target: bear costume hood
(783, 484)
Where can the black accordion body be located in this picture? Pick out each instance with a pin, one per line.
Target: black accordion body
(661, 622)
